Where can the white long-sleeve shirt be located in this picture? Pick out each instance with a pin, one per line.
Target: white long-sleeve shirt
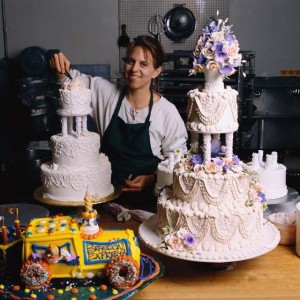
(167, 129)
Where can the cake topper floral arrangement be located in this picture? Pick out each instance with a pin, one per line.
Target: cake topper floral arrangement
(217, 49)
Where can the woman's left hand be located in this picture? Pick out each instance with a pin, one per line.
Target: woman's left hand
(138, 183)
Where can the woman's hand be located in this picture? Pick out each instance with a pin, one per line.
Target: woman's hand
(60, 64)
(138, 183)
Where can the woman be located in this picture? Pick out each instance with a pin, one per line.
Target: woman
(138, 127)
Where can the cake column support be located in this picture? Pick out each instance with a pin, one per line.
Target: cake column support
(84, 124)
(70, 124)
(194, 141)
(207, 147)
(64, 126)
(229, 144)
(78, 125)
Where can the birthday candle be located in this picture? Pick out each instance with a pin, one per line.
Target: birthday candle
(88, 202)
(18, 229)
(4, 235)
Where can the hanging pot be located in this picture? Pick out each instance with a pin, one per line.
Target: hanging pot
(180, 23)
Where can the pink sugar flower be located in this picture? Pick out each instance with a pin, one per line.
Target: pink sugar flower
(174, 242)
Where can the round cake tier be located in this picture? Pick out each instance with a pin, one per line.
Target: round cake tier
(212, 112)
(75, 103)
(211, 230)
(73, 151)
(71, 184)
(164, 176)
(273, 181)
(226, 191)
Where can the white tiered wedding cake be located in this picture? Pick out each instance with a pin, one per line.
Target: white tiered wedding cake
(77, 165)
(214, 210)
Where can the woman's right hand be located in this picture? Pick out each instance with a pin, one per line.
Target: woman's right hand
(59, 64)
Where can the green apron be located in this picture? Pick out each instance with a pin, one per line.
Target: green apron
(128, 146)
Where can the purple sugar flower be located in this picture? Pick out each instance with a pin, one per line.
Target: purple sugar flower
(220, 56)
(230, 37)
(212, 27)
(262, 196)
(226, 70)
(218, 161)
(236, 160)
(189, 240)
(217, 47)
(226, 168)
(197, 159)
(202, 59)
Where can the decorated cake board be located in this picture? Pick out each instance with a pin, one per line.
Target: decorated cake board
(148, 234)
(38, 195)
(151, 271)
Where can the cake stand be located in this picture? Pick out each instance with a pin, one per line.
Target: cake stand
(148, 234)
(286, 203)
(38, 195)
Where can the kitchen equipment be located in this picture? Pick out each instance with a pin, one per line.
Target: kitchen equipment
(124, 39)
(180, 23)
(26, 167)
(156, 26)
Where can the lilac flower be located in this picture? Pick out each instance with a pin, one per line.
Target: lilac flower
(230, 38)
(226, 70)
(202, 59)
(218, 161)
(220, 56)
(219, 42)
(236, 160)
(217, 47)
(197, 159)
(262, 196)
(226, 168)
(189, 240)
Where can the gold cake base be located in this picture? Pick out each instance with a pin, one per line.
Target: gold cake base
(38, 195)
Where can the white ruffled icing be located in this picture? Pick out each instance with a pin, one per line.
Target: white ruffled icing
(271, 174)
(76, 164)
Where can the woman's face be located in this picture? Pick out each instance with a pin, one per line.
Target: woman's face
(139, 69)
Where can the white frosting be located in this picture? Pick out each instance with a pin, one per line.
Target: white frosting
(212, 112)
(90, 226)
(216, 229)
(71, 184)
(75, 99)
(165, 170)
(227, 192)
(76, 165)
(271, 174)
(71, 151)
(216, 210)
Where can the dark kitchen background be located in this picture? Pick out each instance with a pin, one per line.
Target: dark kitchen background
(88, 33)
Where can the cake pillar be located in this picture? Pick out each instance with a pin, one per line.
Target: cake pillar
(207, 147)
(70, 125)
(84, 124)
(229, 145)
(64, 126)
(194, 141)
(78, 125)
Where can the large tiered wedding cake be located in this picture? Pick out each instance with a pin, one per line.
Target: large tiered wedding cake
(214, 210)
(77, 165)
